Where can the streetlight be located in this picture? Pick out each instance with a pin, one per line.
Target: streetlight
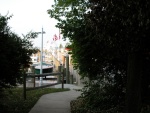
(41, 56)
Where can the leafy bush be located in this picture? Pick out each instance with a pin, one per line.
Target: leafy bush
(99, 96)
(16, 52)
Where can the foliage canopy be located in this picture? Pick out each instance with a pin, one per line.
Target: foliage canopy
(15, 53)
(107, 26)
(104, 35)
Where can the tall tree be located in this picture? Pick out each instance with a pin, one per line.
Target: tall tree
(119, 30)
(15, 53)
(124, 27)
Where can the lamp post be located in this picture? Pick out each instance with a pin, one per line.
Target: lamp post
(41, 56)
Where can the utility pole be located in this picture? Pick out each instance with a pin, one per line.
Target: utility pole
(67, 69)
(41, 57)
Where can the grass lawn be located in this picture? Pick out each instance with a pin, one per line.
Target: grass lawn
(12, 101)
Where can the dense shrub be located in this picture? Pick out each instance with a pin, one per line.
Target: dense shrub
(99, 96)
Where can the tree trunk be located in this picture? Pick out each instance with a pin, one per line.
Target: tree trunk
(134, 74)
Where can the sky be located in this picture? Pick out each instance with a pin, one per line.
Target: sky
(31, 15)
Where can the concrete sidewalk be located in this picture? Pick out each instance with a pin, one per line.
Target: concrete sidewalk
(56, 102)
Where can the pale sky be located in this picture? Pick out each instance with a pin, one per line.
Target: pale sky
(30, 15)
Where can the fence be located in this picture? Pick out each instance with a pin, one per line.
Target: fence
(60, 79)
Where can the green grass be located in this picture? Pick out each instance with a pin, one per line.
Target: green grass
(12, 100)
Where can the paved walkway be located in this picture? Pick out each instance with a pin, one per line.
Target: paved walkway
(56, 102)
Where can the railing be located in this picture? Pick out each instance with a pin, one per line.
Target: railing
(60, 79)
(33, 76)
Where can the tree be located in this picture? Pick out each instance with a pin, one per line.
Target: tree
(124, 27)
(120, 31)
(15, 54)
